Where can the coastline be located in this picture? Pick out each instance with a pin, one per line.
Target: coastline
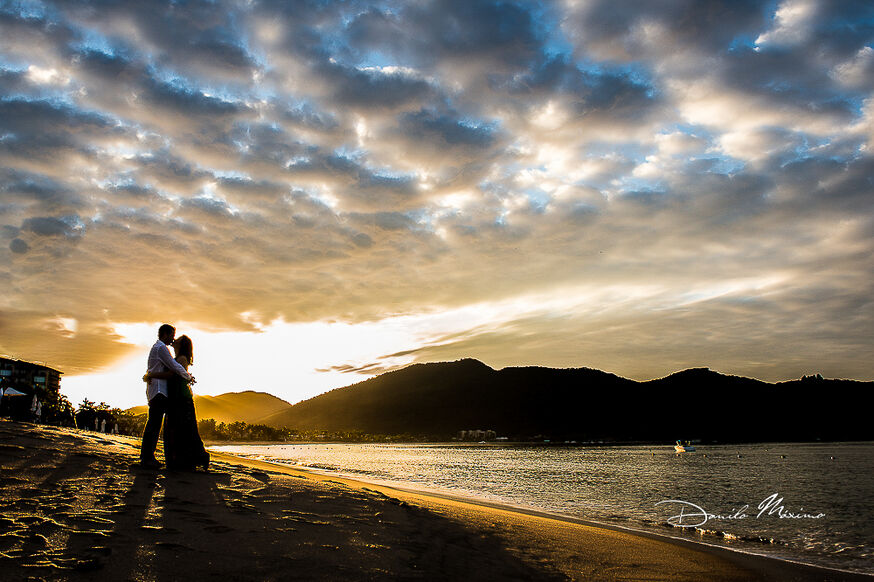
(76, 504)
(490, 514)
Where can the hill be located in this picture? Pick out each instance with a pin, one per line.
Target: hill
(438, 400)
(249, 406)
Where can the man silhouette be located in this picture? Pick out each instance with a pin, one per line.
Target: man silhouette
(160, 360)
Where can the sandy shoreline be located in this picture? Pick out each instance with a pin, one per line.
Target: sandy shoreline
(75, 505)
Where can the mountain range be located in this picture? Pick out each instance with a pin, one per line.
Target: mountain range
(250, 407)
(437, 400)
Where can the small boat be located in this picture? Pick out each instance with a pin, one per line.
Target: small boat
(681, 448)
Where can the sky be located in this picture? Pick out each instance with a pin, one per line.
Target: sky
(317, 192)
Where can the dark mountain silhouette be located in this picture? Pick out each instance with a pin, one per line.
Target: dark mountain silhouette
(438, 400)
(249, 406)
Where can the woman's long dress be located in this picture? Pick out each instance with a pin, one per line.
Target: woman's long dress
(183, 448)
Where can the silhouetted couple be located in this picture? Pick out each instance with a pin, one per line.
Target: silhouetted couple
(169, 395)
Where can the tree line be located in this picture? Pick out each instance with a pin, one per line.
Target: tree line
(101, 417)
(210, 430)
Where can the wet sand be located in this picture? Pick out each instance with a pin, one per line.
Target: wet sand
(74, 505)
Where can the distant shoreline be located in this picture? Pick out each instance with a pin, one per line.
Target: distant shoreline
(658, 445)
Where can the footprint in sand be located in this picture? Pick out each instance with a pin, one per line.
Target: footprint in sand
(261, 476)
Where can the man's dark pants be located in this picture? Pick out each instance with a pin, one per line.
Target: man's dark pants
(157, 408)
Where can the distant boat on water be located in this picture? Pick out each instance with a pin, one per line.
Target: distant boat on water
(681, 448)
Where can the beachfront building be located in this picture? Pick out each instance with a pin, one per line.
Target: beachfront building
(30, 377)
(27, 387)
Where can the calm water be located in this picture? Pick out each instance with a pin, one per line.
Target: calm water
(827, 490)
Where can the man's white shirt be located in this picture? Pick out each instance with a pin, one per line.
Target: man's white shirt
(160, 360)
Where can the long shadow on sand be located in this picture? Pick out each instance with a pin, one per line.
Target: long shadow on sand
(75, 507)
(275, 527)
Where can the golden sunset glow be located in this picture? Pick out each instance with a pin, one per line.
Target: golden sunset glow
(319, 195)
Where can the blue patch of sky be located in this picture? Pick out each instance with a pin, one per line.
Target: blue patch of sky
(122, 181)
(185, 84)
(802, 151)
(353, 154)
(855, 102)
(28, 9)
(557, 45)
(170, 77)
(499, 189)
(224, 93)
(13, 66)
(377, 59)
(538, 199)
(547, 24)
(726, 165)
(298, 161)
(333, 39)
(423, 218)
(742, 43)
(638, 73)
(628, 183)
(91, 40)
(478, 124)
(60, 100)
(698, 131)
(77, 226)
(54, 96)
(386, 173)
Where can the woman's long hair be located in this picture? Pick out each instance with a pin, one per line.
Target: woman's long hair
(186, 348)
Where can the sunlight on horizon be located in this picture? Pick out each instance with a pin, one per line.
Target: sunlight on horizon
(282, 360)
(296, 361)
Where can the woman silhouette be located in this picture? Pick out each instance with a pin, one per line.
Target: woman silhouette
(183, 447)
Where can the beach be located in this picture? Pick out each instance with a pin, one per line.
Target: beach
(76, 505)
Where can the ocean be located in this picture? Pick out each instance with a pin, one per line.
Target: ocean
(808, 502)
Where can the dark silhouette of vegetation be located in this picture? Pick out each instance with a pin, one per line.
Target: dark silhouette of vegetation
(101, 417)
(58, 411)
(241, 431)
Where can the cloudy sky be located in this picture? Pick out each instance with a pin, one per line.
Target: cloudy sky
(320, 191)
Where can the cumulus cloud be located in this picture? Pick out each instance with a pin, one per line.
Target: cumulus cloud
(793, 23)
(308, 161)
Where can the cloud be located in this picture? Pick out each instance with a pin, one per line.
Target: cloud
(451, 31)
(359, 162)
(18, 246)
(69, 226)
(793, 23)
(370, 369)
(47, 337)
(627, 33)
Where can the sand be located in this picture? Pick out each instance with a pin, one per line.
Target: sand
(75, 505)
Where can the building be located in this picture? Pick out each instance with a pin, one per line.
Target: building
(30, 378)
(476, 435)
